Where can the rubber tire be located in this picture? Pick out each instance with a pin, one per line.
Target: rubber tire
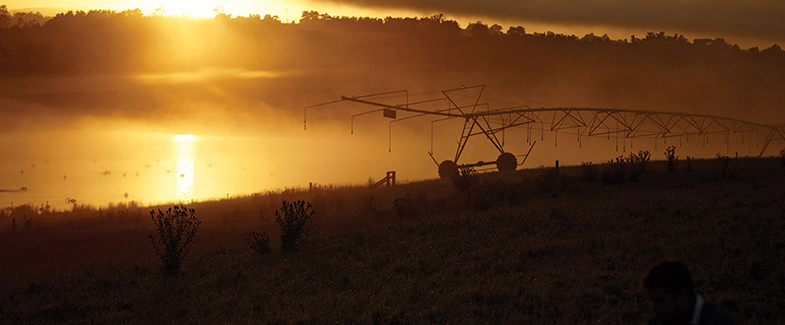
(506, 162)
(448, 169)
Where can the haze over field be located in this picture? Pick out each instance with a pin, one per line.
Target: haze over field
(97, 91)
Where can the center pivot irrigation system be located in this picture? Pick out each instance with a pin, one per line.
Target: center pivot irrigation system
(480, 119)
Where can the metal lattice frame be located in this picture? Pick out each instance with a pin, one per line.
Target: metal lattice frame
(480, 119)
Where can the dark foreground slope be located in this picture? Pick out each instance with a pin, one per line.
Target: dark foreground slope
(543, 248)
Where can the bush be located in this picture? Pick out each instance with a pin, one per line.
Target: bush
(259, 242)
(295, 222)
(176, 230)
(673, 159)
(614, 171)
(725, 170)
(637, 164)
(466, 179)
(550, 181)
(410, 206)
(588, 172)
(368, 207)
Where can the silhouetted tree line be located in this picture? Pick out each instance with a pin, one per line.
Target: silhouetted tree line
(103, 41)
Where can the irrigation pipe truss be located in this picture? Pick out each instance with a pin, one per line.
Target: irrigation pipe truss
(479, 119)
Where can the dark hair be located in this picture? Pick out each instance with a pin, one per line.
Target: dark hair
(670, 276)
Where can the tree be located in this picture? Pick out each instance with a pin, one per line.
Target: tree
(496, 29)
(516, 31)
(309, 15)
(5, 17)
(478, 29)
(269, 18)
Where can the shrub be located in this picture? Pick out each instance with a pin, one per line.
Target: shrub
(410, 206)
(550, 181)
(466, 179)
(487, 195)
(368, 207)
(637, 164)
(673, 159)
(725, 170)
(613, 172)
(24, 215)
(295, 222)
(176, 230)
(588, 172)
(782, 157)
(404, 208)
(259, 242)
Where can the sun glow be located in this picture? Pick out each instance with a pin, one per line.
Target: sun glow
(200, 9)
(208, 8)
(184, 146)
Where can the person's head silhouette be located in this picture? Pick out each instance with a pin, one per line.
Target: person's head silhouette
(671, 292)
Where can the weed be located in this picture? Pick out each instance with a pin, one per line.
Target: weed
(613, 172)
(259, 242)
(673, 159)
(725, 170)
(466, 179)
(404, 208)
(550, 181)
(410, 206)
(588, 172)
(637, 164)
(176, 230)
(490, 194)
(621, 169)
(295, 222)
(369, 206)
(782, 157)
(24, 213)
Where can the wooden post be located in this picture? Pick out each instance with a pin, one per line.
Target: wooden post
(737, 159)
(557, 165)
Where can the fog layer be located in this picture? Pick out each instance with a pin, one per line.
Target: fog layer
(253, 76)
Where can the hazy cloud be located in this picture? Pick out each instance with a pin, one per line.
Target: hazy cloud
(750, 18)
(205, 74)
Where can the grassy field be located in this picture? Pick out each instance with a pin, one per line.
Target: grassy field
(532, 246)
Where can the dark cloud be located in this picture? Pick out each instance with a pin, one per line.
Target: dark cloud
(761, 19)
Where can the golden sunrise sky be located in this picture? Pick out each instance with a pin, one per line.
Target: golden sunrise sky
(747, 23)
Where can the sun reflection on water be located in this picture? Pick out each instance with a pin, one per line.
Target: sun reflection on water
(185, 152)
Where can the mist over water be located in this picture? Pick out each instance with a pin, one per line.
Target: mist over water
(90, 118)
(99, 167)
(151, 168)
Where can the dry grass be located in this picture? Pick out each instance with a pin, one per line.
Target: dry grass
(511, 254)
